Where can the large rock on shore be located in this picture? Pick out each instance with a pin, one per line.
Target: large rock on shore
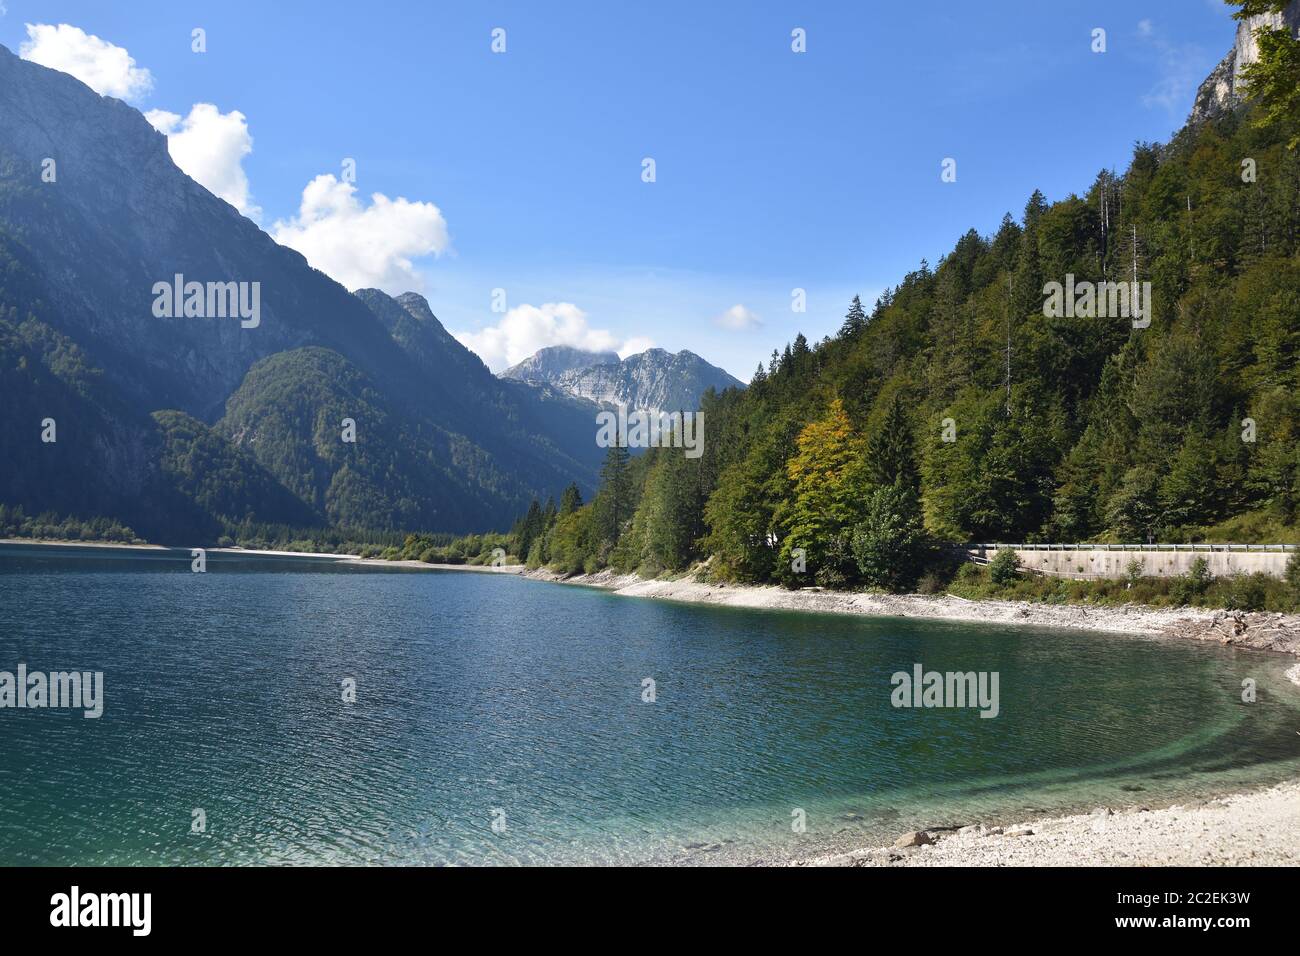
(915, 838)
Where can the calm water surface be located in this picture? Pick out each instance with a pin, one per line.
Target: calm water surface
(488, 696)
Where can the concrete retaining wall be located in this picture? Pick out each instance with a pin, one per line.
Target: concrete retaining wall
(1102, 563)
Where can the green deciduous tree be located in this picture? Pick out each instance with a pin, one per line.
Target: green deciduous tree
(890, 543)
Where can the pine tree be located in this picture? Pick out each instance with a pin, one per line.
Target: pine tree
(891, 452)
(571, 500)
(855, 320)
(616, 490)
(531, 528)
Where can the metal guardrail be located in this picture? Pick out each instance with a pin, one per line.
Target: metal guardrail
(1252, 548)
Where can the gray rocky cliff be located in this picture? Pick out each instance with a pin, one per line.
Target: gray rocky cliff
(1224, 90)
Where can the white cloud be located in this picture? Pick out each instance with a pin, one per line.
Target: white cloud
(738, 318)
(526, 328)
(637, 343)
(1181, 68)
(210, 147)
(363, 246)
(107, 69)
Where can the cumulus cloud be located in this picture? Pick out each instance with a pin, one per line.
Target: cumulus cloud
(363, 246)
(210, 146)
(107, 69)
(737, 319)
(526, 328)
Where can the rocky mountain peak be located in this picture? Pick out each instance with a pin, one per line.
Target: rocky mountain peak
(548, 364)
(654, 380)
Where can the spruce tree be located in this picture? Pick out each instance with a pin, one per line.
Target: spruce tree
(891, 453)
(855, 320)
(616, 489)
(571, 500)
(531, 528)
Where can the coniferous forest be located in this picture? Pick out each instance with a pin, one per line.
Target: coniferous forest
(953, 410)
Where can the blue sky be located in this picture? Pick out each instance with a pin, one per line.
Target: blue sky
(774, 170)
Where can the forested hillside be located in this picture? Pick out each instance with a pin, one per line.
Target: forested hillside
(1058, 429)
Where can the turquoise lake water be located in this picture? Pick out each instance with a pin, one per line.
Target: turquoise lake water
(486, 697)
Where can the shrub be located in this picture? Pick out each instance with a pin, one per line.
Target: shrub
(1191, 587)
(1004, 567)
(1133, 571)
(931, 583)
(1247, 592)
(830, 577)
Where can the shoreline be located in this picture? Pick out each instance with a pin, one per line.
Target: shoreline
(264, 553)
(1259, 631)
(1263, 631)
(1259, 826)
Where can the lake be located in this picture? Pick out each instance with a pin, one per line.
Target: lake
(501, 720)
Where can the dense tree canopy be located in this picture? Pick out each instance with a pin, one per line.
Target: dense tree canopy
(959, 409)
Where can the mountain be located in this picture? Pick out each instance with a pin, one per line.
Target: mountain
(548, 364)
(1223, 89)
(654, 379)
(94, 219)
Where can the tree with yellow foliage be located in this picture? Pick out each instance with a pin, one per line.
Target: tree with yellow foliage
(829, 484)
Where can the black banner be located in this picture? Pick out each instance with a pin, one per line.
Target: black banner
(337, 905)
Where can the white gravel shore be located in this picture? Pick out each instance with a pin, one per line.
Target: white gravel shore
(1260, 828)
(1268, 632)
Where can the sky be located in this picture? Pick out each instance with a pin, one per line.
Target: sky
(498, 149)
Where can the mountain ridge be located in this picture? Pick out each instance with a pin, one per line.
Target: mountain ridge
(653, 380)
